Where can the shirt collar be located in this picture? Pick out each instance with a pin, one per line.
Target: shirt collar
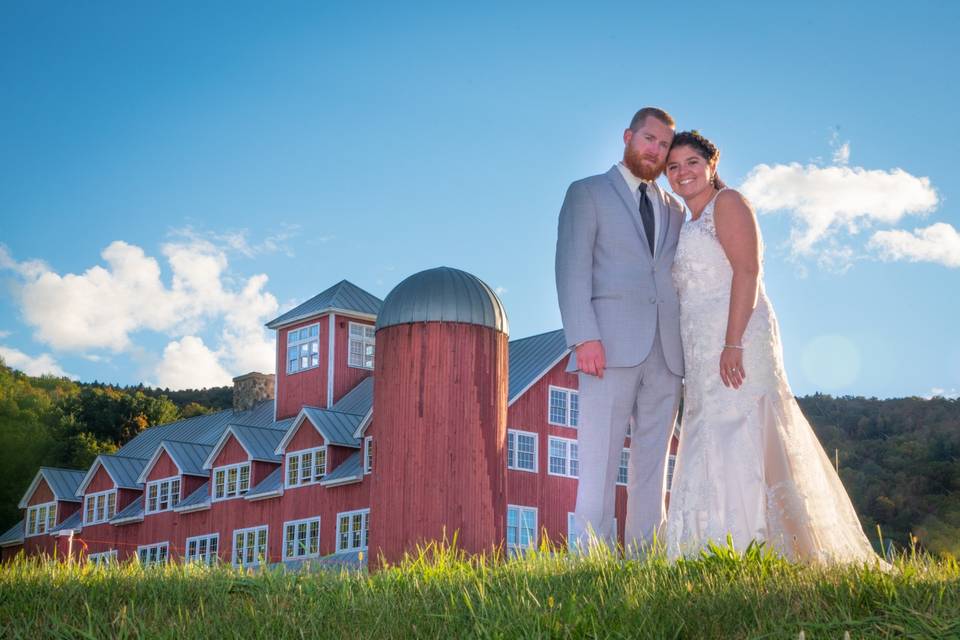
(632, 181)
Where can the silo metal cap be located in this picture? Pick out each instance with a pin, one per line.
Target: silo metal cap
(443, 294)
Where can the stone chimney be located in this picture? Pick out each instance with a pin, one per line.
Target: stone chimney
(251, 388)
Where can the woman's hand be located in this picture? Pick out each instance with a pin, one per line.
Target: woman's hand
(731, 367)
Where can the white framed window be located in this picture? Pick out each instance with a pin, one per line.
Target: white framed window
(362, 337)
(303, 348)
(671, 465)
(624, 465)
(250, 546)
(231, 481)
(521, 450)
(564, 408)
(163, 495)
(301, 539)
(103, 558)
(149, 554)
(564, 460)
(306, 467)
(521, 528)
(353, 527)
(368, 454)
(41, 518)
(99, 507)
(202, 549)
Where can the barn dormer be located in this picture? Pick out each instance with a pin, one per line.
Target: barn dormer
(48, 502)
(174, 472)
(325, 346)
(242, 458)
(109, 486)
(320, 447)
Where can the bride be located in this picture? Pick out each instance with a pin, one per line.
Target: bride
(748, 464)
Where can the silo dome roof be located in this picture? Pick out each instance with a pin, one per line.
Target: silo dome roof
(443, 295)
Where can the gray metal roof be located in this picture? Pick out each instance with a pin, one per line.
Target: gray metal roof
(337, 427)
(269, 486)
(443, 295)
(13, 535)
(205, 429)
(188, 456)
(73, 521)
(197, 500)
(62, 482)
(343, 296)
(124, 471)
(260, 443)
(349, 469)
(358, 400)
(133, 512)
(531, 358)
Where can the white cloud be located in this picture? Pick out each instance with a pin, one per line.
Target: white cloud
(823, 200)
(500, 290)
(105, 307)
(841, 155)
(32, 366)
(938, 243)
(938, 392)
(188, 364)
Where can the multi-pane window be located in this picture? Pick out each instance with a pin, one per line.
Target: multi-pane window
(99, 507)
(361, 345)
(202, 549)
(671, 464)
(301, 539)
(368, 454)
(163, 494)
(103, 558)
(563, 458)
(250, 546)
(303, 348)
(352, 530)
(521, 450)
(41, 518)
(564, 407)
(230, 481)
(306, 467)
(153, 553)
(521, 527)
(624, 464)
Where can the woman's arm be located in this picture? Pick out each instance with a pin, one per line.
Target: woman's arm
(737, 231)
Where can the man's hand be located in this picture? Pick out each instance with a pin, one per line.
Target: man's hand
(590, 358)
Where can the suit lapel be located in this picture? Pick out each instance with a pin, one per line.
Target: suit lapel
(620, 186)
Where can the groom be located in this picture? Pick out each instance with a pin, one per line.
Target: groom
(615, 245)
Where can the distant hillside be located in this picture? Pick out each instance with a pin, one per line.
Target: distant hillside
(214, 398)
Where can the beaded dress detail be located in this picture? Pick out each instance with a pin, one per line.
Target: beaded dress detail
(748, 465)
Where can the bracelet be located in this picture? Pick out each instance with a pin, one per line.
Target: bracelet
(733, 346)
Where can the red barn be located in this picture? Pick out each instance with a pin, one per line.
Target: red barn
(386, 423)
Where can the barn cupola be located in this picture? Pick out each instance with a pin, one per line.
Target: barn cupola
(440, 411)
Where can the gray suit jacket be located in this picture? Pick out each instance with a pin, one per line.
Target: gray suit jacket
(609, 286)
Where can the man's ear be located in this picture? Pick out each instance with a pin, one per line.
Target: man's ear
(627, 136)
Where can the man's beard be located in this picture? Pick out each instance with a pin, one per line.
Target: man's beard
(649, 170)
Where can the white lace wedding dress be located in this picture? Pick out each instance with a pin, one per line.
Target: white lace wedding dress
(748, 464)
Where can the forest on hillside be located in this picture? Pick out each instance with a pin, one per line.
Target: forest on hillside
(898, 458)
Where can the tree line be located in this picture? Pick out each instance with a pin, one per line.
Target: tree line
(899, 459)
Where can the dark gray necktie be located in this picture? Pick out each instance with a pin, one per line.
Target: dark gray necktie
(646, 214)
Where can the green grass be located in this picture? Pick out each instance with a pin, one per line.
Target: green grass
(441, 594)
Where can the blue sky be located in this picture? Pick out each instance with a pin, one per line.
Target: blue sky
(175, 175)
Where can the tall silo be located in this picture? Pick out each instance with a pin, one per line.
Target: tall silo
(439, 416)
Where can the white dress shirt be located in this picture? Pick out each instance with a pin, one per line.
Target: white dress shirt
(653, 193)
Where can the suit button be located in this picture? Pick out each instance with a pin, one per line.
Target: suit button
(653, 300)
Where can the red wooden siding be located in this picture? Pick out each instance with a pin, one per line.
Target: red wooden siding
(231, 453)
(305, 387)
(42, 494)
(441, 434)
(336, 455)
(101, 481)
(306, 437)
(346, 377)
(189, 484)
(259, 470)
(164, 467)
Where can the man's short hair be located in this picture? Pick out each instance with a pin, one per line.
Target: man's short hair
(641, 116)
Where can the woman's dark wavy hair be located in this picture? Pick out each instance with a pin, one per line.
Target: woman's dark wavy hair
(706, 149)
